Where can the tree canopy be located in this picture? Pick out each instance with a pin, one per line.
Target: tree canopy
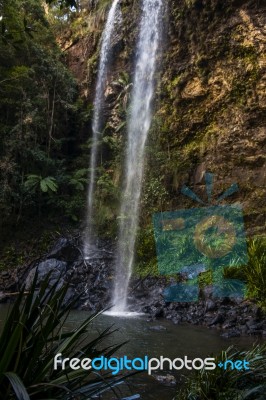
(37, 107)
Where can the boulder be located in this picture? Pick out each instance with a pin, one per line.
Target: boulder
(218, 319)
(168, 380)
(210, 305)
(56, 268)
(231, 334)
(64, 250)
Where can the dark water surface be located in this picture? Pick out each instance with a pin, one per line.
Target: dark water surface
(172, 341)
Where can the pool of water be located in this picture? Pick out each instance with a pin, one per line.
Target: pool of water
(145, 338)
(155, 339)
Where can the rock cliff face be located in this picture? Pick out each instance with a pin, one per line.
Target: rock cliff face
(213, 104)
(209, 108)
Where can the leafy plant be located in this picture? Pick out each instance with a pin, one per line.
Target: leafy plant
(123, 87)
(255, 270)
(221, 384)
(146, 260)
(37, 106)
(33, 334)
(45, 185)
(98, 13)
(63, 3)
(79, 179)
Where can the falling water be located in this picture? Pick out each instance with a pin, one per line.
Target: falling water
(138, 127)
(106, 47)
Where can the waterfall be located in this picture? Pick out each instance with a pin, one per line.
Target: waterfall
(105, 53)
(138, 126)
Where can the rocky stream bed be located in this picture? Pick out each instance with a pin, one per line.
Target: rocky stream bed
(93, 279)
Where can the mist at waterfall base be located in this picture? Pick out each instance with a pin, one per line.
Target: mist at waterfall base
(137, 131)
(98, 104)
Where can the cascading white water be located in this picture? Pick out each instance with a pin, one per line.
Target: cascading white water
(138, 127)
(105, 53)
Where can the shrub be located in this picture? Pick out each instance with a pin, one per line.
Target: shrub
(255, 270)
(33, 335)
(220, 384)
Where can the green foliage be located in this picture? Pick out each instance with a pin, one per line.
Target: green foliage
(25, 246)
(32, 335)
(105, 186)
(205, 278)
(79, 179)
(37, 183)
(37, 116)
(107, 204)
(220, 384)
(154, 193)
(255, 270)
(98, 13)
(146, 260)
(122, 86)
(72, 203)
(63, 3)
(253, 273)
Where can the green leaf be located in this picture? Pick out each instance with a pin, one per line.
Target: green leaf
(31, 337)
(48, 183)
(18, 386)
(43, 186)
(77, 183)
(81, 173)
(10, 349)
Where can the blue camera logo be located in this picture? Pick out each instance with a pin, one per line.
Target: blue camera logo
(192, 241)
